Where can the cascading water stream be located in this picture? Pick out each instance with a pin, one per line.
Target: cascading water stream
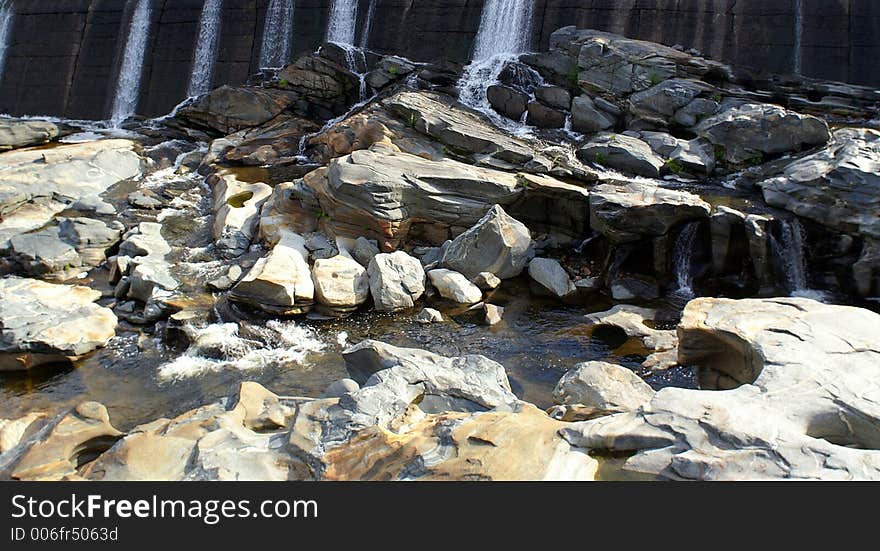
(277, 34)
(128, 85)
(341, 31)
(682, 261)
(504, 33)
(343, 21)
(207, 44)
(6, 15)
(368, 25)
(797, 58)
(789, 250)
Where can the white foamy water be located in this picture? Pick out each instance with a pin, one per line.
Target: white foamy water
(6, 16)
(277, 35)
(128, 85)
(343, 21)
(207, 48)
(504, 33)
(682, 261)
(505, 28)
(221, 346)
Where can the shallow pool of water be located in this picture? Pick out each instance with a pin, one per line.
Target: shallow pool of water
(537, 342)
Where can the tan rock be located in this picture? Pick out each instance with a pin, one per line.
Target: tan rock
(75, 438)
(496, 445)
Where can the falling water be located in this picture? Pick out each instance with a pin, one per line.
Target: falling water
(128, 86)
(682, 261)
(5, 30)
(505, 32)
(797, 58)
(343, 20)
(277, 34)
(368, 25)
(789, 250)
(207, 45)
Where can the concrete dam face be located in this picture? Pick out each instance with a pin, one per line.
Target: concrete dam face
(92, 59)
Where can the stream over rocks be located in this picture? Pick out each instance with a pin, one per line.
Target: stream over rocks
(357, 256)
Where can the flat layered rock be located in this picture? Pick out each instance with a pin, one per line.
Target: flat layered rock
(635, 210)
(16, 133)
(43, 322)
(229, 109)
(37, 184)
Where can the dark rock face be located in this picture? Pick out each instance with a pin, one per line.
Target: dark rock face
(63, 58)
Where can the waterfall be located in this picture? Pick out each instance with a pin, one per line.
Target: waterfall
(505, 31)
(277, 34)
(682, 261)
(207, 44)
(788, 248)
(368, 25)
(797, 58)
(6, 12)
(128, 85)
(341, 31)
(343, 20)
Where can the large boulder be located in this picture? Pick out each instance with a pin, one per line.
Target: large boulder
(47, 323)
(61, 252)
(393, 378)
(507, 101)
(632, 211)
(612, 64)
(800, 401)
(386, 195)
(280, 283)
(838, 187)
(745, 133)
(660, 103)
(587, 118)
(397, 280)
(341, 285)
(621, 152)
(236, 210)
(498, 244)
(464, 131)
(595, 389)
(276, 142)
(458, 411)
(228, 109)
(324, 83)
